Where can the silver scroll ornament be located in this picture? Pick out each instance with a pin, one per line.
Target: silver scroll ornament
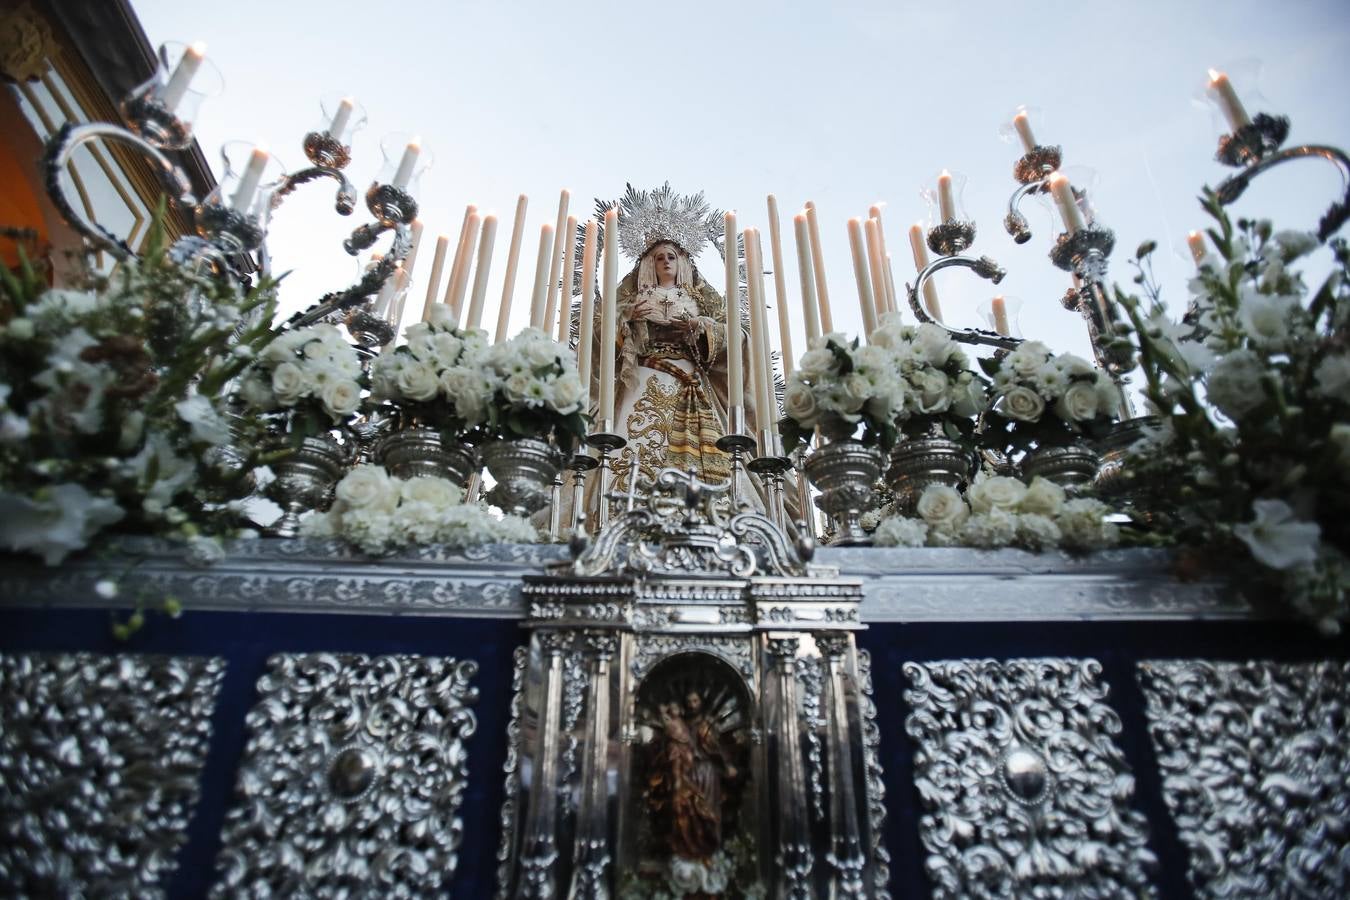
(99, 764)
(1025, 789)
(352, 779)
(1256, 773)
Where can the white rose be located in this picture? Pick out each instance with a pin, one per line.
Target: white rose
(1079, 403)
(567, 393)
(942, 507)
(816, 364)
(417, 381)
(1043, 497)
(540, 354)
(1234, 385)
(446, 348)
(857, 388)
(799, 402)
(289, 383)
(518, 387)
(996, 492)
(368, 487)
(1022, 404)
(341, 398)
(423, 346)
(968, 399)
(437, 492)
(935, 344)
(933, 388)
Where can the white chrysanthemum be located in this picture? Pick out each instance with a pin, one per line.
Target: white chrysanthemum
(1084, 525)
(900, 531)
(1050, 381)
(990, 530)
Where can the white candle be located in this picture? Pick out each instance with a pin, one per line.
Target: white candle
(999, 308)
(172, 93)
(855, 244)
(608, 316)
(818, 268)
(1062, 191)
(395, 317)
(586, 336)
(482, 270)
(890, 282)
(1232, 107)
(877, 265)
(768, 406)
(780, 287)
(1022, 125)
(809, 308)
(735, 377)
(946, 198)
(540, 290)
(920, 251)
(754, 285)
(460, 282)
(463, 251)
(1196, 241)
(384, 300)
(874, 212)
(512, 258)
(437, 268)
(407, 164)
(248, 182)
(555, 263)
(565, 304)
(341, 118)
(414, 244)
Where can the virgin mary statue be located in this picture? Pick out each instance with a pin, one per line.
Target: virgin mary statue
(671, 398)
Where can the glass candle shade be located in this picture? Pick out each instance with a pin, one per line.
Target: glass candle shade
(1002, 319)
(235, 214)
(163, 108)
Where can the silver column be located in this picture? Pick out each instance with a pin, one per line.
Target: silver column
(793, 858)
(846, 853)
(540, 853)
(591, 858)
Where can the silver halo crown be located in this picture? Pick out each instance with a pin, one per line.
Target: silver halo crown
(649, 217)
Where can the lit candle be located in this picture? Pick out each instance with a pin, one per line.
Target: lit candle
(855, 245)
(735, 377)
(586, 336)
(999, 308)
(540, 292)
(463, 250)
(608, 315)
(437, 268)
(809, 308)
(946, 199)
(555, 264)
(818, 268)
(780, 287)
(875, 213)
(1196, 241)
(481, 271)
(248, 182)
(512, 259)
(754, 284)
(407, 164)
(877, 265)
(565, 305)
(172, 93)
(1062, 191)
(920, 251)
(341, 118)
(460, 281)
(1023, 127)
(1232, 107)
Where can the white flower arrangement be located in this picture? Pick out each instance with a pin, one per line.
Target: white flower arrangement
(999, 511)
(537, 391)
(437, 374)
(940, 390)
(113, 404)
(1252, 392)
(1045, 399)
(380, 513)
(312, 373)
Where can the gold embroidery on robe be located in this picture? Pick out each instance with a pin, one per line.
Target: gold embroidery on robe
(672, 425)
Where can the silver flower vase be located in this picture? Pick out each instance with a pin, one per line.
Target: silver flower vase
(418, 450)
(1072, 467)
(524, 470)
(304, 481)
(846, 473)
(918, 462)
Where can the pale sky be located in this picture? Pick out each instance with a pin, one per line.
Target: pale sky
(846, 104)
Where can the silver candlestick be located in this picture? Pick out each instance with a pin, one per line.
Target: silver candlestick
(1031, 172)
(736, 442)
(770, 466)
(607, 441)
(983, 267)
(580, 464)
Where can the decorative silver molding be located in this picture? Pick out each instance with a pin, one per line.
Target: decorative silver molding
(511, 789)
(874, 776)
(809, 674)
(352, 778)
(100, 758)
(1255, 771)
(1026, 791)
(652, 648)
(899, 584)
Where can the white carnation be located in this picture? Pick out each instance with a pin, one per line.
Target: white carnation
(899, 531)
